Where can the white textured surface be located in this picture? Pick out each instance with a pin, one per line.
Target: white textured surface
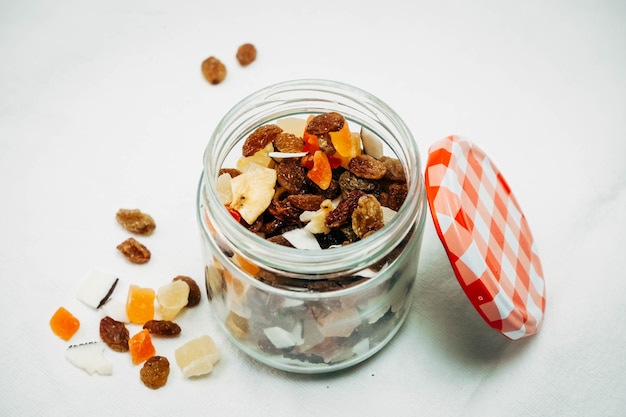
(102, 106)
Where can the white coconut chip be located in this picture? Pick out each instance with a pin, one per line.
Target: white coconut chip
(97, 288)
(90, 357)
(302, 239)
(281, 338)
(284, 155)
(371, 144)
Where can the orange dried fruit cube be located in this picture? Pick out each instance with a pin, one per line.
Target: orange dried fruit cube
(321, 173)
(140, 304)
(64, 324)
(140, 347)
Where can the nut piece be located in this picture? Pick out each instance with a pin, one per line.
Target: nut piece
(155, 371)
(213, 70)
(114, 333)
(134, 251)
(135, 221)
(246, 54)
(194, 290)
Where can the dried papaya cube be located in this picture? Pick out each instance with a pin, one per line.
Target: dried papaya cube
(64, 324)
(140, 347)
(140, 304)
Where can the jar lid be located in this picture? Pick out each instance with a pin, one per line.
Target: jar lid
(486, 237)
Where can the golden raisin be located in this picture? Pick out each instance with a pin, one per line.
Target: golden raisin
(134, 251)
(213, 70)
(367, 216)
(288, 142)
(259, 139)
(246, 54)
(368, 167)
(135, 221)
(155, 371)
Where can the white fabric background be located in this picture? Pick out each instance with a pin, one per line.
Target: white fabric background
(102, 106)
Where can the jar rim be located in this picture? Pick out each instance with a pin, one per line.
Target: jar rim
(310, 96)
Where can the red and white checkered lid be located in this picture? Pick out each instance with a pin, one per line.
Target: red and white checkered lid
(486, 237)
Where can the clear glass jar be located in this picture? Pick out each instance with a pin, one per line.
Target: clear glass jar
(255, 287)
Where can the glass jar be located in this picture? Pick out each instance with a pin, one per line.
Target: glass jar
(310, 311)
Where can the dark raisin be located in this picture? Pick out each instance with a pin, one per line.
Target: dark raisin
(309, 202)
(343, 212)
(291, 175)
(349, 182)
(164, 328)
(283, 210)
(114, 333)
(280, 240)
(395, 172)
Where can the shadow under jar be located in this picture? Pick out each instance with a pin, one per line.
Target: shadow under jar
(310, 311)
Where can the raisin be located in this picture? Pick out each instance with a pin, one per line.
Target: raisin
(233, 172)
(155, 371)
(325, 123)
(291, 175)
(135, 221)
(286, 213)
(326, 144)
(134, 251)
(395, 172)
(194, 290)
(114, 333)
(343, 212)
(259, 139)
(164, 328)
(272, 226)
(367, 216)
(213, 70)
(365, 166)
(333, 191)
(288, 142)
(280, 240)
(396, 195)
(246, 54)
(309, 202)
(348, 182)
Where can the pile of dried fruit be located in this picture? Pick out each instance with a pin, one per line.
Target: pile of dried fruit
(313, 184)
(153, 310)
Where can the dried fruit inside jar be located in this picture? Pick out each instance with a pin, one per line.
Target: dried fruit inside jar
(297, 182)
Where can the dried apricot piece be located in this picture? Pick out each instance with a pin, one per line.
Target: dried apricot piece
(140, 347)
(321, 173)
(140, 304)
(155, 371)
(64, 324)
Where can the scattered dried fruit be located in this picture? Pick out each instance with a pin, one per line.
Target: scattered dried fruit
(140, 347)
(214, 70)
(246, 54)
(135, 221)
(90, 357)
(114, 334)
(155, 371)
(64, 324)
(140, 304)
(195, 294)
(165, 328)
(134, 251)
(197, 356)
